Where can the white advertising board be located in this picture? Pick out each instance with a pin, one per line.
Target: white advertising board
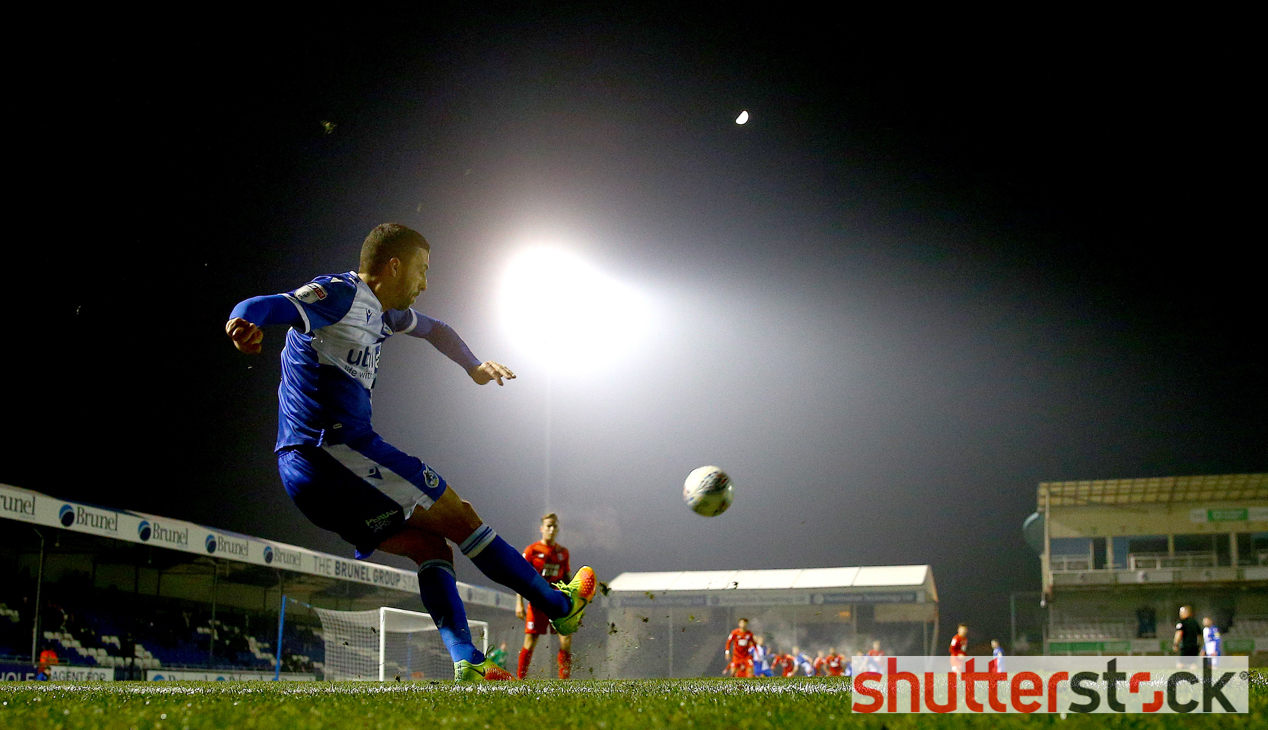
(182, 675)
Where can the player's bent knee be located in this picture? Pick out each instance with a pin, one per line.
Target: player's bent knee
(449, 516)
(469, 514)
(464, 511)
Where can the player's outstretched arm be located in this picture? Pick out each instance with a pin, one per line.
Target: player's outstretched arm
(249, 315)
(444, 338)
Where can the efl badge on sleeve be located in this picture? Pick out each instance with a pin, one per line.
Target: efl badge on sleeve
(310, 293)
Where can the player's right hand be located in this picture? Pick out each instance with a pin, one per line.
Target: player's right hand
(246, 336)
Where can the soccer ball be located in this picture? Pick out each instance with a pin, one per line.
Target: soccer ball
(708, 491)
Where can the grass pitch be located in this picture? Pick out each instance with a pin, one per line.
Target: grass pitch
(532, 705)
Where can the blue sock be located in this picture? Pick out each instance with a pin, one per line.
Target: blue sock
(439, 589)
(504, 564)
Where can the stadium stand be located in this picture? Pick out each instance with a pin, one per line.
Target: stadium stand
(142, 593)
(1119, 557)
(102, 628)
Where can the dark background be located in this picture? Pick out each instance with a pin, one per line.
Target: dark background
(948, 258)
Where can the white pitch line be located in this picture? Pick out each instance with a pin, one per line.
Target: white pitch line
(575, 687)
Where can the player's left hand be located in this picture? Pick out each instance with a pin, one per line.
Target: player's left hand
(489, 370)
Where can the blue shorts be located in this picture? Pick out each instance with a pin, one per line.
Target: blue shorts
(364, 489)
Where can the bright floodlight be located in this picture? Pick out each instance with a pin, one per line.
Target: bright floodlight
(742, 118)
(562, 309)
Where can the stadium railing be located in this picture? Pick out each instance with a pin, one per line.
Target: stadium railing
(1155, 561)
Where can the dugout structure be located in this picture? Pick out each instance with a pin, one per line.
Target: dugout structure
(1119, 557)
(676, 624)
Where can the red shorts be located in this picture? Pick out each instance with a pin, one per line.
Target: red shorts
(535, 622)
(741, 667)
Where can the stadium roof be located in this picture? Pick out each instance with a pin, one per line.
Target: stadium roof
(1156, 490)
(867, 584)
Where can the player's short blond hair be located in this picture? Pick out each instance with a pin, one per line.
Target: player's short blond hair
(550, 516)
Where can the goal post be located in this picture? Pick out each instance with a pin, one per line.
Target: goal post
(383, 643)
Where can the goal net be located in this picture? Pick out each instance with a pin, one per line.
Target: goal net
(386, 643)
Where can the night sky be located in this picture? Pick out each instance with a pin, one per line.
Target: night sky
(939, 265)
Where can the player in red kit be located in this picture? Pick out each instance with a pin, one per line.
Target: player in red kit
(790, 663)
(834, 664)
(739, 650)
(551, 560)
(959, 647)
(783, 665)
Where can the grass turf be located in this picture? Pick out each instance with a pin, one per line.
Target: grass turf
(588, 704)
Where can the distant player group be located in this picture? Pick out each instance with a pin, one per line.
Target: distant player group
(749, 656)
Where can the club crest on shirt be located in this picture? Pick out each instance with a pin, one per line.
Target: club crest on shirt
(310, 293)
(431, 478)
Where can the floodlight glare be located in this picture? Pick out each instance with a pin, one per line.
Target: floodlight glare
(562, 309)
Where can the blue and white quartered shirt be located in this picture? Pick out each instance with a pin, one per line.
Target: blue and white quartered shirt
(331, 359)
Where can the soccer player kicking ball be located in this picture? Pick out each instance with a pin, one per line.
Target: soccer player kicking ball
(550, 559)
(345, 478)
(739, 650)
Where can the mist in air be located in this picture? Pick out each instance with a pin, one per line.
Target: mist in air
(902, 287)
